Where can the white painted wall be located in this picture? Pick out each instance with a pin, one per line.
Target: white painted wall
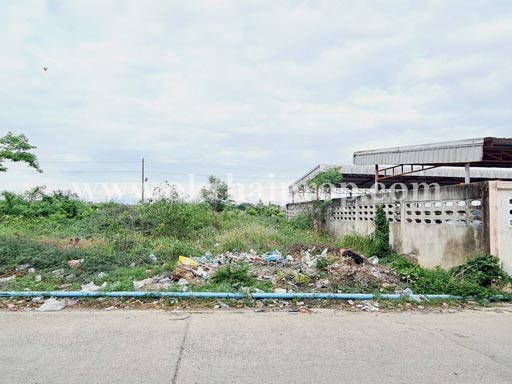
(504, 224)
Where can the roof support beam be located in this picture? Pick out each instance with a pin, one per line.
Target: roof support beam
(467, 175)
(399, 170)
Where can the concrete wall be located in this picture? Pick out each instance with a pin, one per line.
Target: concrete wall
(500, 198)
(439, 227)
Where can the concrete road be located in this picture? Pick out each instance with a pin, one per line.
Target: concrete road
(245, 347)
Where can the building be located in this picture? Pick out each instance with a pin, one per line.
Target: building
(444, 201)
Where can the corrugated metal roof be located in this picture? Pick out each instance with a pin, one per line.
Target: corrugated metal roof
(450, 152)
(315, 171)
(364, 175)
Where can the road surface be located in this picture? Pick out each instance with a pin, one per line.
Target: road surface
(129, 346)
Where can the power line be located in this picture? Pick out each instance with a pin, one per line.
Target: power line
(268, 177)
(88, 162)
(225, 166)
(219, 166)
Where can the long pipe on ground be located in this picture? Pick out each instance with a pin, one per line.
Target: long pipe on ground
(226, 295)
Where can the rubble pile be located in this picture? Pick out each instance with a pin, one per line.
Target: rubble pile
(304, 269)
(313, 270)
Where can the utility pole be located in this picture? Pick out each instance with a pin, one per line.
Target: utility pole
(143, 180)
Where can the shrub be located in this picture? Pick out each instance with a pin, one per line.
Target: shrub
(484, 270)
(439, 281)
(302, 221)
(381, 247)
(175, 218)
(37, 203)
(234, 275)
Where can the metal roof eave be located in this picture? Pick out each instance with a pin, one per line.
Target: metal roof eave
(450, 152)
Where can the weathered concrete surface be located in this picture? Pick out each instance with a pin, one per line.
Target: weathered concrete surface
(229, 347)
(428, 223)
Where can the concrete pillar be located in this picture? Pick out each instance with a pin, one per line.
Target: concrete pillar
(467, 175)
(376, 178)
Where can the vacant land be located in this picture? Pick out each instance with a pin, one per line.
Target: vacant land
(55, 241)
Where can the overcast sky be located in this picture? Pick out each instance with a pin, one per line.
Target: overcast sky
(244, 87)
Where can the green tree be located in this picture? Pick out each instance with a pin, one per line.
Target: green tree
(16, 148)
(323, 181)
(216, 194)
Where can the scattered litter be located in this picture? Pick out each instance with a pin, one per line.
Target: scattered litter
(91, 287)
(221, 305)
(21, 268)
(178, 315)
(156, 283)
(153, 258)
(182, 260)
(274, 256)
(6, 279)
(138, 284)
(297, 271)
(407, 292)
(201, 272)
(69, 302)
(31, 270)
(75, 264)
(358, 259)
(290, 273)
(369, 306)
(58, 273)
(38, 278)
(374, 260)
(51, 304)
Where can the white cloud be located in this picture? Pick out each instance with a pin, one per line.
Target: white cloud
(246, 84)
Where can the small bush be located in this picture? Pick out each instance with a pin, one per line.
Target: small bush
(302, 221)
(439, 281)
(484, 270)
(175, 218)
(322, 264)
(234, 275)
(37, 203)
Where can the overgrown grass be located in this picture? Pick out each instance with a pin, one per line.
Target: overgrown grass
(117, 240)
(359, 243)
(263, 235)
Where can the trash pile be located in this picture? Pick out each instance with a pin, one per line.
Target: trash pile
(312, 270)
(306, 268)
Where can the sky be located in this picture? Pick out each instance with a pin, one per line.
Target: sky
(255, 92)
